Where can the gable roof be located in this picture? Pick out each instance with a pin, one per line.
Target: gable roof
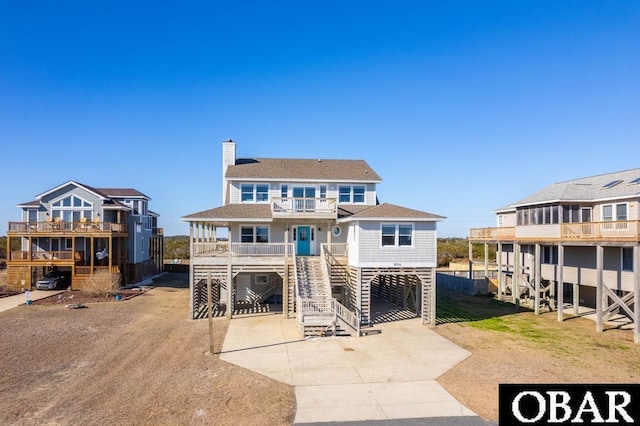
(99, 192)
(107, 195)
(302, 169)
(590, 188)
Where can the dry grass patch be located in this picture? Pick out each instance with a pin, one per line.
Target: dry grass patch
(102, 284)
(521, 347)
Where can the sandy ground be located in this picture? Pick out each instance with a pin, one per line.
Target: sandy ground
(134, 362)
(141, 362)
(548, 352)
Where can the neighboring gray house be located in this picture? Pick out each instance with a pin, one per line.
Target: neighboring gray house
(578, 239)
(310, 234)
(78, 229)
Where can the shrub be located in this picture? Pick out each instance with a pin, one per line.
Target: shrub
(102, 283)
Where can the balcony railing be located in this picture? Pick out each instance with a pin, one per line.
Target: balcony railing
(502, 233)
(64, 227)
(304, 207)
(613, 230)
(215, 249)
(66, 255)
(622, 230)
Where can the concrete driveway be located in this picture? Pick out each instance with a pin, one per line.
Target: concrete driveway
(390, 375)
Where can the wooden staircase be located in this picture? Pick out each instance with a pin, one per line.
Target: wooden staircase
(318, 314)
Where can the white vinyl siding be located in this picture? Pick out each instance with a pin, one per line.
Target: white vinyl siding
(365, 247)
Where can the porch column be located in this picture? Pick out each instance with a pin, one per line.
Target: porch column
(229, 282)
(285, 284)
(486, 260)
(470, 260)
(500, 279)
(560, 281)
(599, 289)
(91, 253)
(536, 271)
(515, 285)
(636, 294)
(329, 234)
(110, 250)
(191, 283)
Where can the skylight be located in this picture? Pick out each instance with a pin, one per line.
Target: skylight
(636, 181)
(612, 184)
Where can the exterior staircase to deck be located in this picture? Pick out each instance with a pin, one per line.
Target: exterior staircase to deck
(311, 282)
(318, 313)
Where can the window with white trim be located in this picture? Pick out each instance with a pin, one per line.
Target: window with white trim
(396, 235)
(351, 194)
(609, 209)
(254, 234)
(71, 209)
(250, 193)
(32, 215)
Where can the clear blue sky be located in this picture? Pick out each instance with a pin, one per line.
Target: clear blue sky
(461, 107)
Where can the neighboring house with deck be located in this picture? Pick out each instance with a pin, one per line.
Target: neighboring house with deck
(574, 241)
(309, 234)
(78, 229)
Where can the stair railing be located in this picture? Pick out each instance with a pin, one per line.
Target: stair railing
(348, 317)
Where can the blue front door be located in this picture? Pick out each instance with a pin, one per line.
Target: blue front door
(304, 241)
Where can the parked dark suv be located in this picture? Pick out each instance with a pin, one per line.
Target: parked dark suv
(53, 281)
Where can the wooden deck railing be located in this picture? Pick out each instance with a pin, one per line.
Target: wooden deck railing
(336, 249)
(64, 227)
(621, 230)
(614, 230)
(304, 206)
(43, 255)
(501, 233)
(215, 249)
(350, 318)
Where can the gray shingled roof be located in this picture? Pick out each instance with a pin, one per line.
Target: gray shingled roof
(288, 168)
(119, 192)
(586, 189)
(240, 212)
(391, 211)
(232, 212)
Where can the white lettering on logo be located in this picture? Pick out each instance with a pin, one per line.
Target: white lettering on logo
(554, 405)
(613, 407)
(515, 406)
(588, 405)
